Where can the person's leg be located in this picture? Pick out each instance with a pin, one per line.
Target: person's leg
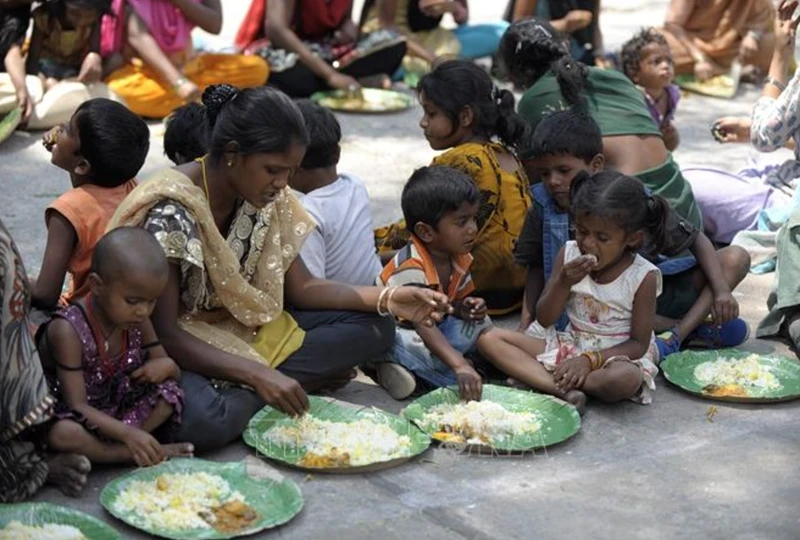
(617, 381)
(68, 436)
(68, 472)
(143, 91)
(235, 69)
(297, 81)
(160, 414)
(58, 104)
(213, 417)
(682, 58)
(22, 471)
(479, 40)
(335, 342)
(383, 61)
(514, 353)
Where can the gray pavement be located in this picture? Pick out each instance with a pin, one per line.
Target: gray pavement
(661, 471)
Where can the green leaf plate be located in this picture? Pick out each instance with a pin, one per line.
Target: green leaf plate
(373, 101)
(559, 419)
(38, 514)
(678, 368)
(335, 411)
(276, 499)
(721, 86)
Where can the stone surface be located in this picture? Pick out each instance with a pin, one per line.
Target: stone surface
(661, 471)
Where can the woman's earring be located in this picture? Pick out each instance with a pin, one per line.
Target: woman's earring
(230, 163)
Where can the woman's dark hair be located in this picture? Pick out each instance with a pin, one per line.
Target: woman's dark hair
(58, 8)
(622, 200)
(434, 191)
(571, 132)
(186, 133)
(255, 120)
(112, 139)
(631, 54)
(456, 84)
(324, 134)
(532, 47)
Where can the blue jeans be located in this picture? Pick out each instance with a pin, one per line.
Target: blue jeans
(479, 40)
(410, 352)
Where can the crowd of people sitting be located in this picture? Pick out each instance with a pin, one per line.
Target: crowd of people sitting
(168, 312)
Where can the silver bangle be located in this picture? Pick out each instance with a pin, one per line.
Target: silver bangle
(776, 83)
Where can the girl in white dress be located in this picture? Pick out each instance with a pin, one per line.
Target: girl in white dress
(609, 292)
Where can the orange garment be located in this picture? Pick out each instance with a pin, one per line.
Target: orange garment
(148, 95)
(88, 209)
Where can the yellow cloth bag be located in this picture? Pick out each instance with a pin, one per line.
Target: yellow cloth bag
(277, 340)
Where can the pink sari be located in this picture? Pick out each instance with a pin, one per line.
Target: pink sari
(166, 23)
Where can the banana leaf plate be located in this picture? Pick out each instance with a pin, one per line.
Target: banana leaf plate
(274, 498)
(558, 419)
(257, 435)
(40, 514)
(679, 369)
(365, 101)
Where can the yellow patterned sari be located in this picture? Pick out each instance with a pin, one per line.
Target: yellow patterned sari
(504, 202)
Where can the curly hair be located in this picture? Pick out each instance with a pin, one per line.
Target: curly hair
(631, 54)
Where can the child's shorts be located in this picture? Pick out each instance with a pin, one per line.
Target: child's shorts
(678, 291)
(410, 352)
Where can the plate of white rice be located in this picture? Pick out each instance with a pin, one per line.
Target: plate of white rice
(44, 521)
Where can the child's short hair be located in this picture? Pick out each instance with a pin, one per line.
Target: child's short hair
(324, 134)
(569, 132)
(434, 191)
(186, 133)
(128, 248)
(113, 140)
(631, 53)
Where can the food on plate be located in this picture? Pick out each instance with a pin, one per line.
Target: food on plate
(15, 530)
(364, 101)
(330, 444)
(182, 501)
(478, 422)
(735, 377)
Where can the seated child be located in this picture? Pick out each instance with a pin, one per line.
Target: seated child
(102, 148)
(440, 206)
(113, 382)
(474, 121)
(647, 61)
(65, 53)
(341, 247)
(608, 350)
(566, 142)
(185, 136)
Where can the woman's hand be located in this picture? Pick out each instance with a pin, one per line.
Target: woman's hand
(730, 129)
(91, 69)
(705, 69)
(418, 305)
(786, 27)
(577, 19)
(340, 81)
(281, 392)
(25, 103)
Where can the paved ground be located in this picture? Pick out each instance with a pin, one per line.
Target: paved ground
(662, 471)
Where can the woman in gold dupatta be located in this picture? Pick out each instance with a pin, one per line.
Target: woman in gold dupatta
(240, 306)
(706, 36)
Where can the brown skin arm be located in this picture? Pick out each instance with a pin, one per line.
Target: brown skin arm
(703, 250)
(61, 242)
(304, 291)
(66, 346)
(524, 9)
(34, 52)
(387, 12)
(534, 285)
(198, 356)
(278, 25)
(469, 382)
(206, 14)
(678, 14)
(554, 298)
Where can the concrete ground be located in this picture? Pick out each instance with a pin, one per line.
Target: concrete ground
(661, 471)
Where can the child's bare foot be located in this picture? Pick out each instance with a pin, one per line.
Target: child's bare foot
(376, 81)
(68, 472)
(577, 399)
(178, 450)
(335, 382)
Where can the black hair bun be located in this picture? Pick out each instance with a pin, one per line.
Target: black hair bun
(215, 97)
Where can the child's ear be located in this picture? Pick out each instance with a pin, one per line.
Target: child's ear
(232, 157)
(82, 168)
(466, 117)
(95, 282)
(424, 232)
(597, 163)
(636, 240)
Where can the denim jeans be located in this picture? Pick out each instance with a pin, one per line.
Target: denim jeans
(410, 352)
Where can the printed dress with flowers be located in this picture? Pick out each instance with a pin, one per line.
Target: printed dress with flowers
(600, 316)
(112, 391)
